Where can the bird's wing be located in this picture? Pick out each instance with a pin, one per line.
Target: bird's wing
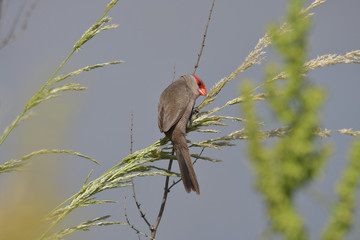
(172, 105)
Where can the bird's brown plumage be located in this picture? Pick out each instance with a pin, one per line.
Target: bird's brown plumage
(174, 109)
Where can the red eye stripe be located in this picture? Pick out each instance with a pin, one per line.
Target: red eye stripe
(199, 82)
(202, 89)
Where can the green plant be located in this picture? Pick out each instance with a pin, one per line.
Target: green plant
(50, 90)
(285, 165)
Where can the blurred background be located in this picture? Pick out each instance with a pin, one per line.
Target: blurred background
(152, 38)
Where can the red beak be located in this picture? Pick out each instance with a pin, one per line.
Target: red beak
(202, 91)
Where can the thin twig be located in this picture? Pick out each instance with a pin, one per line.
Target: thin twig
(132, 181)
(12, 35)
(131, 132)
(132, 226)
(1, 1)
(202, 150)
(11, 32)
(204, 37)
(174, 183)
(163, 202)
(142, 214)
(174, 72)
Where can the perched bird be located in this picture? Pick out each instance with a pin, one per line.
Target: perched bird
(174, 110)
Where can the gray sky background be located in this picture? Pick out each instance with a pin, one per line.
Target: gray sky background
(152, 37)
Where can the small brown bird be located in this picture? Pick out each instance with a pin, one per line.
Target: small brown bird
(174, 110)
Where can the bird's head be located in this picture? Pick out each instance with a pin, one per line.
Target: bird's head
(200, 84)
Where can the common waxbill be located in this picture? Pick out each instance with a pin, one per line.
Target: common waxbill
(174, 110)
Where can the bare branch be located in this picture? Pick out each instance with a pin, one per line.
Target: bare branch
(13, 32)
(203, 41)
(163, 202)
(1, 3)
(142, 214)
(174, 72)
(131, 132)
(132, 226)
(132, 181)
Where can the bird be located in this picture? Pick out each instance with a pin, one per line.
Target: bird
(175, 107)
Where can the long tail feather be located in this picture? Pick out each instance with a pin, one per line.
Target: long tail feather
(186, 168)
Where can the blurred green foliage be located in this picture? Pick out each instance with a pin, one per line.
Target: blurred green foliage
(288, 163)
(284, 165)
(342, 216)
